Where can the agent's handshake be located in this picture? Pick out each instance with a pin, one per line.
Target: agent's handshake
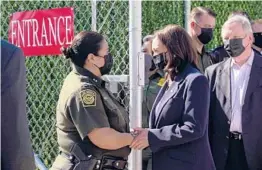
(140, 140)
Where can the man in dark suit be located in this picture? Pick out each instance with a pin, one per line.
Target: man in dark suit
(219, 54)
(16, 149)
(235, 129)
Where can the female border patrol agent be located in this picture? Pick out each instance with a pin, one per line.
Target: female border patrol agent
(92, 127)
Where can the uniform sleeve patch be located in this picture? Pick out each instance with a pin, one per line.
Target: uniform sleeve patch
(88, 98)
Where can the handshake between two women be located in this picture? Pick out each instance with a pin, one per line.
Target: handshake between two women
(140, 140)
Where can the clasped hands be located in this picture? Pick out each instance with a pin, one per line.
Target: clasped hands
(140, 140)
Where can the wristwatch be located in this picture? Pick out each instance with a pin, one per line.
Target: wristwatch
(134, 133)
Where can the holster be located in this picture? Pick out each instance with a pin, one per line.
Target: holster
(88, 162)
(81, 160)
(113, 163)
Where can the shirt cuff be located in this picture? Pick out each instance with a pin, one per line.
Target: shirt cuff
(153, 139)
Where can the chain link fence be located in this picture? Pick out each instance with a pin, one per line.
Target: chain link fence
(45, 74)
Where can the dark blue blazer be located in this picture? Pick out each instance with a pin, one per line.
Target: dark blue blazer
(220, 113)
(178, 135)
(16, 149)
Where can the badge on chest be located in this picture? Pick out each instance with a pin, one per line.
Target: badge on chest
(161, 82)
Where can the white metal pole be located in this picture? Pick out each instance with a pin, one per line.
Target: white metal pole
(93, 24)
(187, 7)
(135, 158)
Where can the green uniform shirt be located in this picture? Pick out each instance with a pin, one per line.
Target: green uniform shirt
(150, 92)
(204, 60)
(85, 104)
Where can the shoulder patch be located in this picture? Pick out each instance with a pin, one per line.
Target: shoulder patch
(88, 98)
(161, 82)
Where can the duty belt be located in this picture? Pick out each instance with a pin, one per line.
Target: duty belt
(236, 135)
(105, 162)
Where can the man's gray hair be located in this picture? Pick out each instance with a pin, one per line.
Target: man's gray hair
(245, 23)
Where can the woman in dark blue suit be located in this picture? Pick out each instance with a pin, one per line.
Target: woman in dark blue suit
(178, 135)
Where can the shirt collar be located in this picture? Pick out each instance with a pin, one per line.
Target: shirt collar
(249, 62)
(84, 72)
(202, 52)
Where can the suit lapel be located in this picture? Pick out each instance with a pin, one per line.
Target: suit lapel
(152, 116)
(172, 91)
(224, 82)
(255, 79)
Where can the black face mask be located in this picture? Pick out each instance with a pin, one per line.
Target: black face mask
(159, 71)
(206, 35)
(153, 66)
(160, 61)
(258, 39)
(108, 65)
(234, 47)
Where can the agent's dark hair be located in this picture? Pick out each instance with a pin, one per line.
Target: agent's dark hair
(180, 49)
(84, 43)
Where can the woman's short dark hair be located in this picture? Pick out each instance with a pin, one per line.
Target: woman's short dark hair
(180, 48)
(84, 43)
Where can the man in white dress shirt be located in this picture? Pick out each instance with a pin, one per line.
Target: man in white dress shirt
(235, 126)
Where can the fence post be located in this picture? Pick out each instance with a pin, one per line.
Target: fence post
(187, 9)
(135, 158)
(39, 164)
(93, 24)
